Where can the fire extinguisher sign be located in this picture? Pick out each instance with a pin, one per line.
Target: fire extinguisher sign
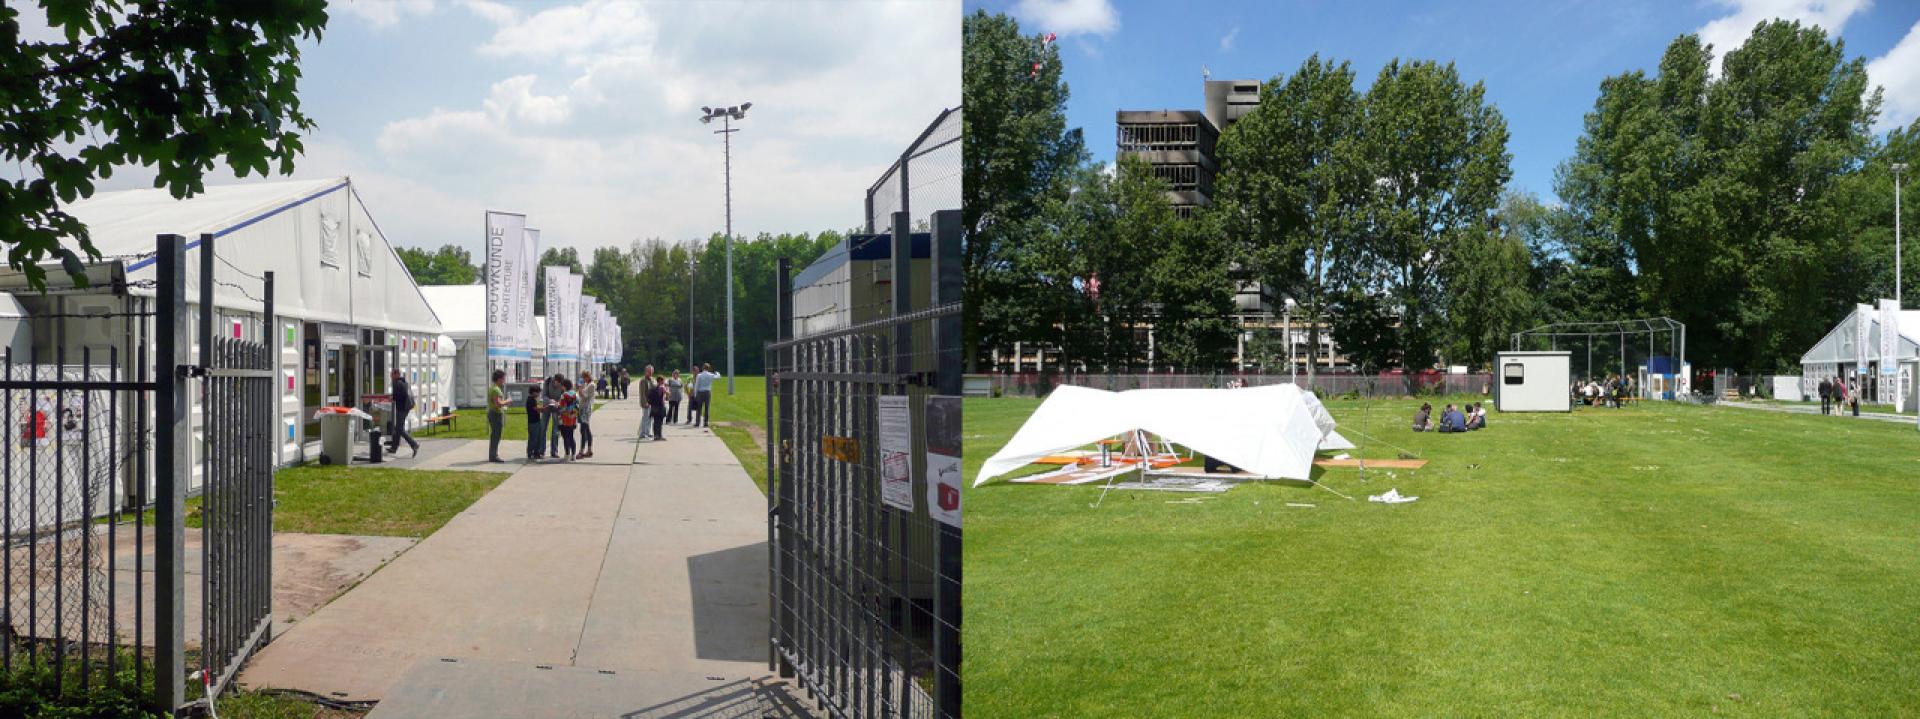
(943, 458)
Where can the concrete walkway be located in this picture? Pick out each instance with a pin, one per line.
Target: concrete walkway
(648, 560)
(1815, 409)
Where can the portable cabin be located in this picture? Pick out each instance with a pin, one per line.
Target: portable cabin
(1533, 381)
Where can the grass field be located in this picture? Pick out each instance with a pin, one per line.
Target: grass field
(1659, 561)
(319, 499)
(731, 418)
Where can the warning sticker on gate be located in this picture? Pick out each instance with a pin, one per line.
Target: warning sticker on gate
(896, 458)
(943, 459)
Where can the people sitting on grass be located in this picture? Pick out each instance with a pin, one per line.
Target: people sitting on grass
(1423, 421)
(1476, 416)
(1452, 421)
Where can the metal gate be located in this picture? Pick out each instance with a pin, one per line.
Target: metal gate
(96, 472)
(866, 588)
(238, 410)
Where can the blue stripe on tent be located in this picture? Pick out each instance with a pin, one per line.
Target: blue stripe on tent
(236, 228)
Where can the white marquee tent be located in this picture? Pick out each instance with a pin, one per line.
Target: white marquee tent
(463, 319)
(346, 308)
(1836, 355)
(1271, 431)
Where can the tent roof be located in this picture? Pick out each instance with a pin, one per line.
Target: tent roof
(1837, 346)
(331, 262)
(1269, 430)
(125, 222)
(462, 308)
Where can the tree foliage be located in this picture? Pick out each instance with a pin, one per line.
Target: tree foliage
(1727, 195)
(1293, 186)
(1018, 149)
(449, 265)
(176, 86)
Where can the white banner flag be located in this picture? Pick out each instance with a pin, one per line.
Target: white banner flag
(1889, 338)
(505, 235)
(571, 316)
(523, 313)
(558, 349)
(1862, 337)
(590, 342)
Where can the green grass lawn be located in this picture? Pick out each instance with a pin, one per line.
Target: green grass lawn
(731, 416)
(382, 501)
(1658, 561)
(373, 500)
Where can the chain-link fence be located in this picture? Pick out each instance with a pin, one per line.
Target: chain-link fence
(72, 456)
(925, 179)
(1329, 385)
(864, 515)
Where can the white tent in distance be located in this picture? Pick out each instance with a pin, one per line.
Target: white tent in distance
(1272, 431)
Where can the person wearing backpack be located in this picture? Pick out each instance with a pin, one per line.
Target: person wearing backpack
(569, 412)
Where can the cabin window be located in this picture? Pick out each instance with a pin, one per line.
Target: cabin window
(1513, 373)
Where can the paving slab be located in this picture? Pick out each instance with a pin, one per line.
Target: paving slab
(685, 583)
(655, 570)
(509, 578)
(481, 689)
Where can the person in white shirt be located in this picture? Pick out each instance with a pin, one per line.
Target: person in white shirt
(703, 395)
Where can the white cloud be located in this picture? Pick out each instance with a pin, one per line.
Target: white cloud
(384, 13)
(1227, 40)
(513, 99)
(1899, 72)
(1069, 17)
(494, 12)
(1730, 32)
(594, 132)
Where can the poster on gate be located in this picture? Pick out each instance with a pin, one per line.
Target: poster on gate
(896, 453)
(943, 459)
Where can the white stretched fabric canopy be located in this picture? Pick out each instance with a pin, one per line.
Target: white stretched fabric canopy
(1271, 431)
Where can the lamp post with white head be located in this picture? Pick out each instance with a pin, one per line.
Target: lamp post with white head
(727, 115)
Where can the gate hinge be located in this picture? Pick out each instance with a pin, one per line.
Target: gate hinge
(192, 370)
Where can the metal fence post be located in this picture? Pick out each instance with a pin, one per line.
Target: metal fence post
(946, 275)
(780, 496)
(902, 267)
(272, 342)
(172, 454)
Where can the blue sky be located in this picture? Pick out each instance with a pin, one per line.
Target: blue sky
(1542, 62)
(585, 114)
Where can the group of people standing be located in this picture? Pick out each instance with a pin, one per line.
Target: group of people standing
(559, 407)
(661, 395)
(1836, 394)
(557, 410)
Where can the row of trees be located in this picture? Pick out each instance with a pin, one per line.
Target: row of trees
(1753, 205)
(653, 286)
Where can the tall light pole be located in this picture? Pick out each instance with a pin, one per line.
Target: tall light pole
(727, 115)
(690, 268)
(1898, 168)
